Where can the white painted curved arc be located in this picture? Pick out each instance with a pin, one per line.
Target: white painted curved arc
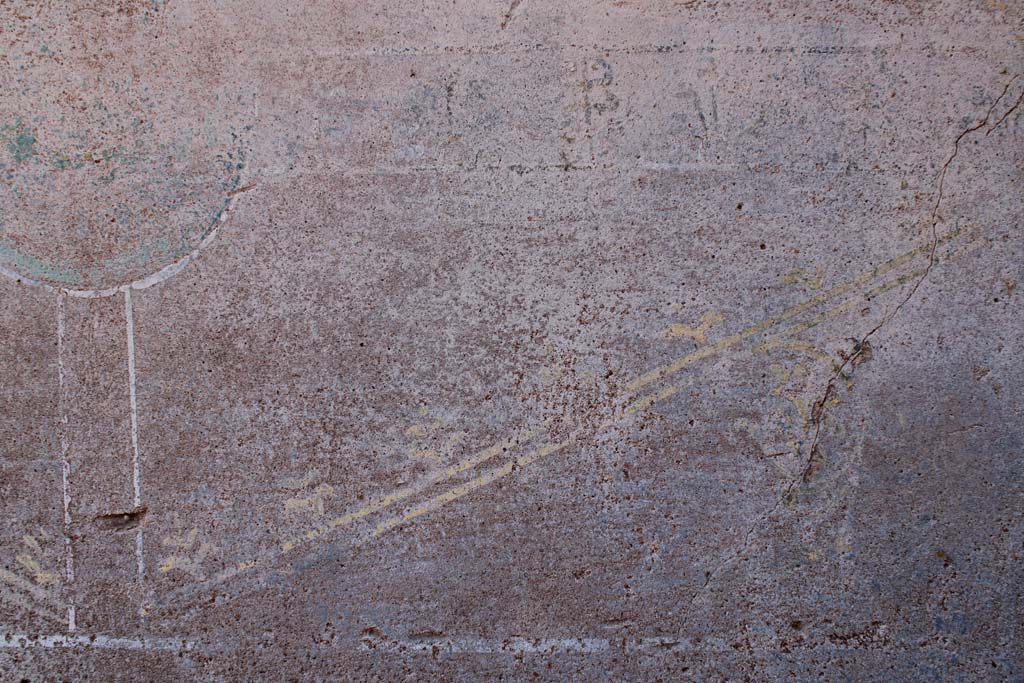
(155, 278)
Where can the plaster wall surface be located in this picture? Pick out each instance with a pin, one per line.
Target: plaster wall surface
(511, 341)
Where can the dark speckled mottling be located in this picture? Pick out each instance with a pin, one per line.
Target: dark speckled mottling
(511, 341)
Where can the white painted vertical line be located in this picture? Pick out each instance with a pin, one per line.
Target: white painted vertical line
(65, 463)
(136, 473)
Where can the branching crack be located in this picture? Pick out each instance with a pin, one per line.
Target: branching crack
(1009, 111)
(862, 348)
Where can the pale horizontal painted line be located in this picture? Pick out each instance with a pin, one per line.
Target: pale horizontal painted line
(23, 641)
(583, 645)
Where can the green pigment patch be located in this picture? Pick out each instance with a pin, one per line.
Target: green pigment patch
(39, 270)
(20, 143)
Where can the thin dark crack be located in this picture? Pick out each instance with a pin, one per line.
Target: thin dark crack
(246, 188)
(1008, 111)
(862, 349)
(967, 428)
(862, 346)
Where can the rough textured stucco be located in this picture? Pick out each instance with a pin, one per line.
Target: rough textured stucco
(511, 341)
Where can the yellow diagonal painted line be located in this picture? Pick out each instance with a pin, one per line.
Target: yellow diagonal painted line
(526, 436)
